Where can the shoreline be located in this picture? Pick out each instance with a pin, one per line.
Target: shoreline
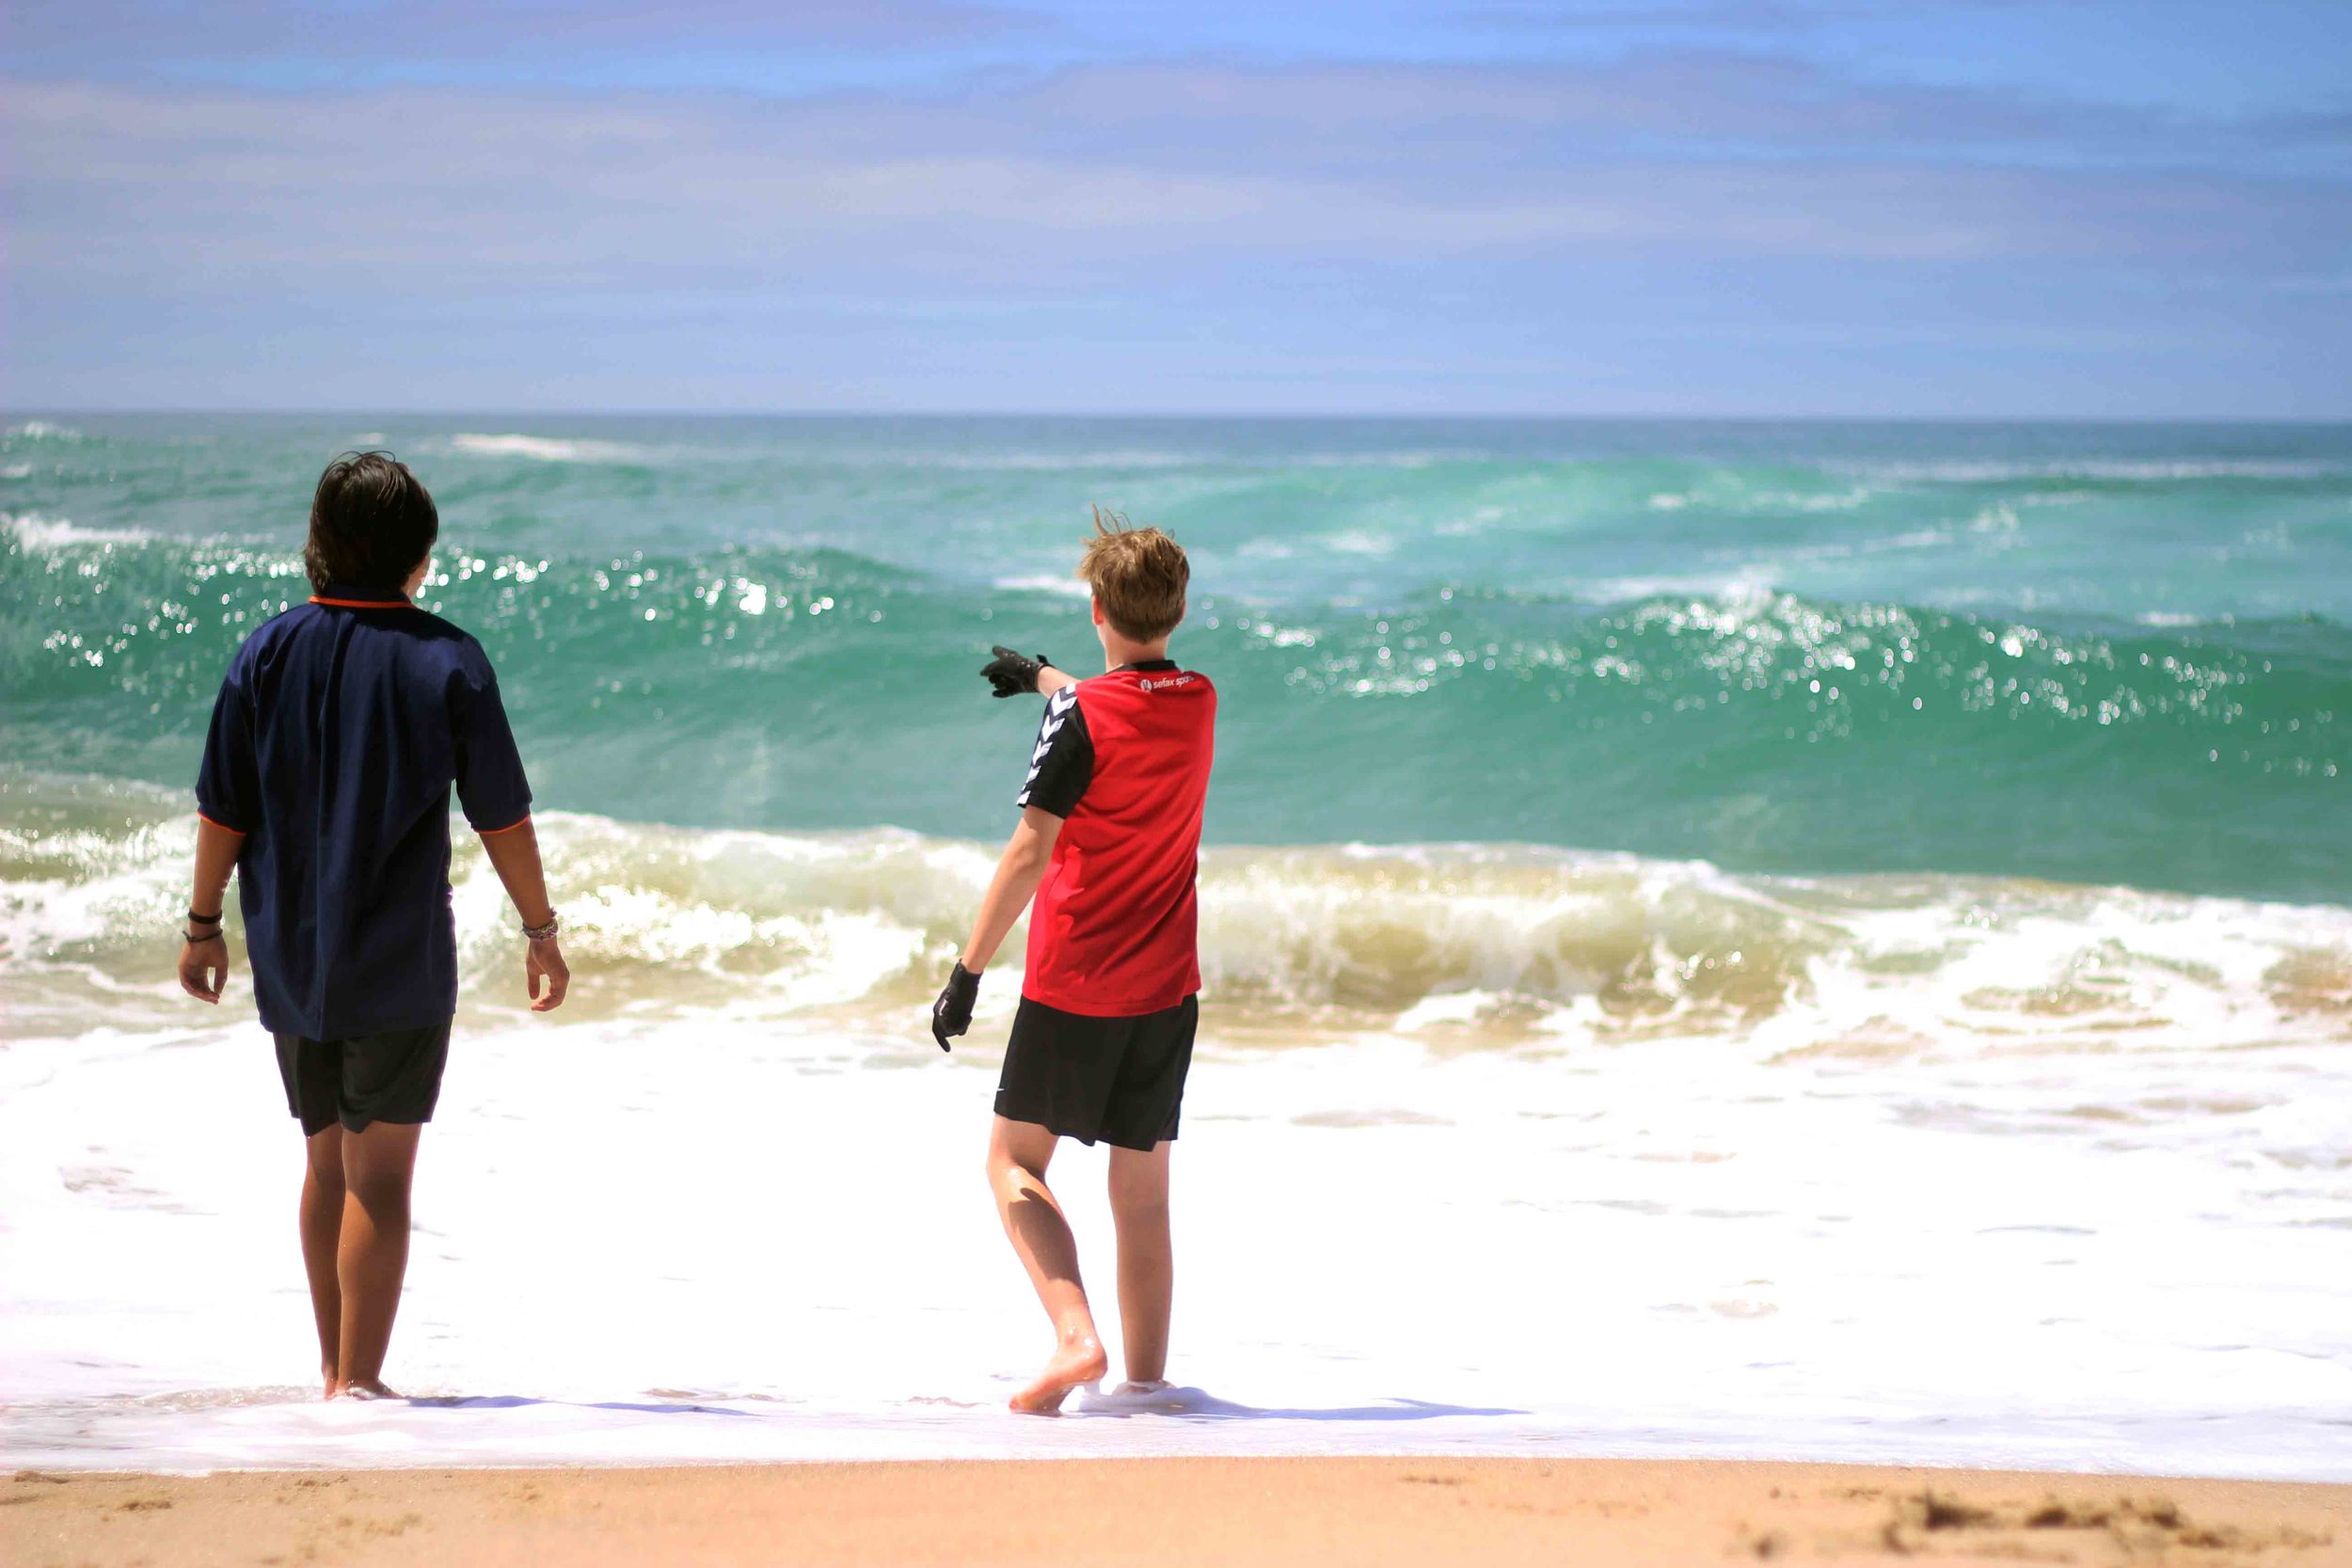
(1148, 1511)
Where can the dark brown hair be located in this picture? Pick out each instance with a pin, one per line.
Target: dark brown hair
(372, 522)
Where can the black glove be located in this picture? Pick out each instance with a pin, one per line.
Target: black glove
(1013, 674)
(952, 1013)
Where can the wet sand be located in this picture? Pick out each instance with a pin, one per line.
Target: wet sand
(1165, 1511)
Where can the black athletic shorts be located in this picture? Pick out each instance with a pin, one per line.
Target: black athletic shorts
(1118, 1079)
(369, 1078)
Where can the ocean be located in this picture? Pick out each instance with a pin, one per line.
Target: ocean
(1805, 940)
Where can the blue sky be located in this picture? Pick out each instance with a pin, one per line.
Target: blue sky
(1698, 207)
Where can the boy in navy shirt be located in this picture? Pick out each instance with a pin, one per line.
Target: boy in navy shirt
(1108, 845)
(324, 785)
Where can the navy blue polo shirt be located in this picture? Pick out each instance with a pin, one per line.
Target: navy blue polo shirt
(339, 729)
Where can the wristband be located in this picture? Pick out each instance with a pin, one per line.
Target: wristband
(196, 919)
(541, 933)
(192, 938)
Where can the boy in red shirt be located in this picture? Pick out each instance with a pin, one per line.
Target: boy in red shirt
(1109, 842)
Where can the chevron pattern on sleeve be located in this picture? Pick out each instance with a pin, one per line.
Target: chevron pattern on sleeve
(1058, 708)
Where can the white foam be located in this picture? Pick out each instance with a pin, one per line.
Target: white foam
(1050, 462)
(1957, 1171)
(35, 533)
(544, 448)
(1357, 542)
(1993, 470)
(1675, 1249)
(1118, 458)
(1414, 938)
(1060, 584)
(1731, 581)
(1917, 539)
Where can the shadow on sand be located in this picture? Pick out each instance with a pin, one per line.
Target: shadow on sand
(1187, 1403)
(520, 1401)
(1199, 1405)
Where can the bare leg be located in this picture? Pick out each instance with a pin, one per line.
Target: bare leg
(1018, 1153)
(1146, 1259)
(378, 1166)
(322, 1229)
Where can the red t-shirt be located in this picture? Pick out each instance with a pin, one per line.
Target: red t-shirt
(1123, 759)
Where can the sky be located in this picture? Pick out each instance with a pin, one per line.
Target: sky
(2001, 208)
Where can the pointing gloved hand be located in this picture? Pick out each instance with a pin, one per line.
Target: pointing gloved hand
(952, 1013)
(1013, 674)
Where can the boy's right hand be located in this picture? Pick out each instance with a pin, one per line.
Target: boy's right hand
(545, 962)
(204, 967)
(952, 1013)
(1014, 674)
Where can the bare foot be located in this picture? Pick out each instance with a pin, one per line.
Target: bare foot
(1080, 1361)
(330, 1384)
(364, 1388)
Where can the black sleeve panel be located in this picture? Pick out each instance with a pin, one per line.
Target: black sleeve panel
(1062, 761)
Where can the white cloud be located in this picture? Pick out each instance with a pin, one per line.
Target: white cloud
(425, 188)
(1667, 234)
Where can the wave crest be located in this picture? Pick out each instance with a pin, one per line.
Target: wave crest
(544, 448)
(32, 532)
(1480, 945)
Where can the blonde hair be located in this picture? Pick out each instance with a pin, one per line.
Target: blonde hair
(1139, 575)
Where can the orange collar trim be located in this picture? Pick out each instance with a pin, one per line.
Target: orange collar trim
(363, 604)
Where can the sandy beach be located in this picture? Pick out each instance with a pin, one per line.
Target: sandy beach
(1170, 1510)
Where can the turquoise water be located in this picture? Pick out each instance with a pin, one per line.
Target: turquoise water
(2087, 654)
(1494, 697)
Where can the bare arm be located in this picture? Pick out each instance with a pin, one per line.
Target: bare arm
(204, 952)
(513, 854)
(1052, 679)
(1022, 866)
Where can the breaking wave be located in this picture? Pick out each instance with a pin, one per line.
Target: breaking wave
(1494, 945)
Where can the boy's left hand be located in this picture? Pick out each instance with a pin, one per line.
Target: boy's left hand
(544, 964)
(204, 967)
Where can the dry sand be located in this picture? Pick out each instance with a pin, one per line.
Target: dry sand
(1163, 1511)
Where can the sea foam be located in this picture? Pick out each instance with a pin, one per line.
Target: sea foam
(1473, 947)
(544, 448)
(34, 532)
(1678, 1248)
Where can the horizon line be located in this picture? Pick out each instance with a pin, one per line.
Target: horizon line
(1472, 417)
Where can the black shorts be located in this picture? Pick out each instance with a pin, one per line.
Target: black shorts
(1118, 1079)
(394, 1077)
